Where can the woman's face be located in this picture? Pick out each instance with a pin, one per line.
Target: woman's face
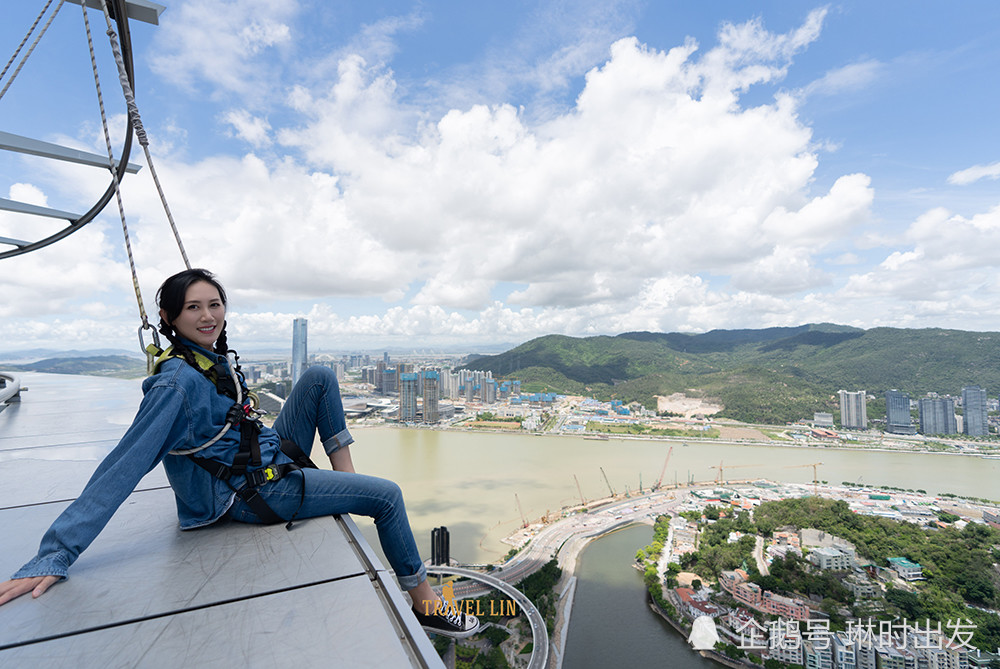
(202, 315)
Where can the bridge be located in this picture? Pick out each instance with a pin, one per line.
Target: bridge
(539, 634)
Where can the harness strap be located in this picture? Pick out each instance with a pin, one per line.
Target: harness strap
(249, 492)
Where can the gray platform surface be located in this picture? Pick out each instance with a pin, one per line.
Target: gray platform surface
(146, 594)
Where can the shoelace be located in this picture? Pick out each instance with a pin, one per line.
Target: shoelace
(456, 618)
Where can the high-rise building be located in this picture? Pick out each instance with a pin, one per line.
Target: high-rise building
(974, 412)
(489, 391)
(440, 546)
(937, 415)
(407, 397)
(300, 349)
(853, 409)
(432, 394)
(897, 413)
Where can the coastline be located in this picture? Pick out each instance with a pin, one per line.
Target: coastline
(994, 453)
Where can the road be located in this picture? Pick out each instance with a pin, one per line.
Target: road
(539, 635)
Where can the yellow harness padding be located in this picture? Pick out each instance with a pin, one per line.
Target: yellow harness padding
(204, 362)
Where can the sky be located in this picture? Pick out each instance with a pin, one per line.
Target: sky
(457, 176)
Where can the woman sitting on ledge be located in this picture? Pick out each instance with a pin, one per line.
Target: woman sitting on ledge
(221, 461)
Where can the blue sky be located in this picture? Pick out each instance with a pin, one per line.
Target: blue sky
(456, 175)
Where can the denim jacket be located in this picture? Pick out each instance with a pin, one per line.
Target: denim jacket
(180, 409)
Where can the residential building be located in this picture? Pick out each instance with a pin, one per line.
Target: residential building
(897, 413)
(822, 419)
(787, 650)
(974, 412)
(888, 657)
(432, 396)
(749, 594)
(300, 348)
(844, 656)
(817, 654)
(853, 409)
(728, 580)
(862, 587)
(937, 415)
(786, 607)
(407, 397)
(831, 558)
(907, 570)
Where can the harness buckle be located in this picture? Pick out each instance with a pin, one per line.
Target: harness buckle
(259, 477)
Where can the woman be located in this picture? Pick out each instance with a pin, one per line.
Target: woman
(221, 462)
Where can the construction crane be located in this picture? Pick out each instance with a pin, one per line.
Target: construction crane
(721, 478)
(524, 519)
(814, 465)
(663, 471)
(579, 490)
(607, 481)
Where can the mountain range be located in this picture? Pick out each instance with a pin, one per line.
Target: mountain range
(770, 375)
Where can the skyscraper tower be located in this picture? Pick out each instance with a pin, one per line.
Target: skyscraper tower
(407, 397)
(300, 349)
(937, 415)
(897, 413)
(432, 394)
(974, 412)
(853, 409)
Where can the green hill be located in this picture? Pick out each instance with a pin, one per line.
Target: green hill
(768, 375)
(121, 366)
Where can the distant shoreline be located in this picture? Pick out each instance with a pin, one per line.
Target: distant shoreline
(993, 455)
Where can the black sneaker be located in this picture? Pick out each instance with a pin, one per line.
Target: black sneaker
(448, 622)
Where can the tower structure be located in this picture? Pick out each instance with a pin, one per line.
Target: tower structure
(300, 348)
(853, 409)
(440, 545)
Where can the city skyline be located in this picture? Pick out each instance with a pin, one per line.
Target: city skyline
(451, 175)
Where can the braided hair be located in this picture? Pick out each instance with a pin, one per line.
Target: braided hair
(170, 298)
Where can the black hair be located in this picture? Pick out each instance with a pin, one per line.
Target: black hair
(170, 298)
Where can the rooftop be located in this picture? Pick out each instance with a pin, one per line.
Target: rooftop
(147, 594)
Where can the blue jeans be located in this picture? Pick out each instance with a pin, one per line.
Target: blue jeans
(315, 404)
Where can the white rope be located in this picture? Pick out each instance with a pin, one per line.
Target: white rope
(229, 424)
(114, 173)
(140, 132)
(33, 45)
(25, 39)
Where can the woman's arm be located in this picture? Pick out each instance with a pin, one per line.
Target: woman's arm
(160, 424)
(341, 459)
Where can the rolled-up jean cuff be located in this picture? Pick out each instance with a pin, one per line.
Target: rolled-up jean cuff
(410, 582)
(338, 441)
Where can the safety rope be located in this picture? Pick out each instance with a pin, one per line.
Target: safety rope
(118, 197)
(33, 45)
(140, 132)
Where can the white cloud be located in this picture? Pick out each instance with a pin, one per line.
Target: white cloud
(252, 129)
(230, 45)
(975, 173)
(657, 201)
(852, 77)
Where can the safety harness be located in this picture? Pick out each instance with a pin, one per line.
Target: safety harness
(246, 483)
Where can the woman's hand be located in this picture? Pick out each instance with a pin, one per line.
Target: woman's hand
(36, 585)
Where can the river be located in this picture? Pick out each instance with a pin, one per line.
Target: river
(468, 481)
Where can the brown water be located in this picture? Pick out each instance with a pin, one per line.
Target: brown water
(468, 481)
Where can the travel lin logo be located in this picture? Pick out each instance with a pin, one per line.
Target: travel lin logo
(448, 605)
